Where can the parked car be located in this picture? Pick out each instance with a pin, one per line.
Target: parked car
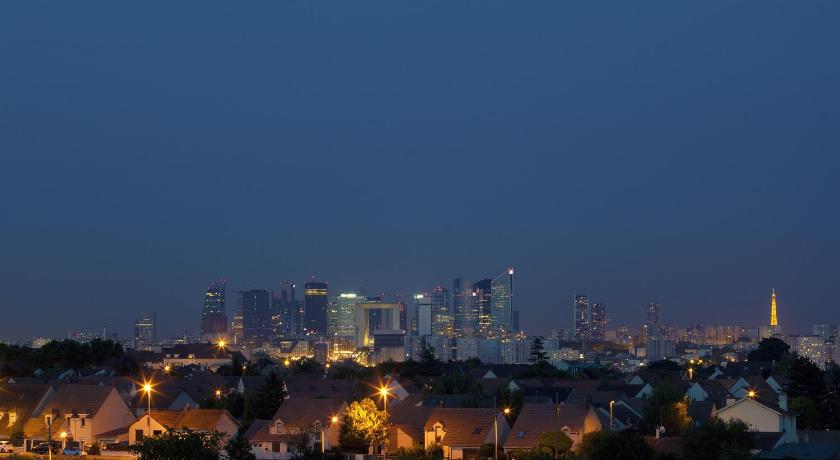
(73, 452)
(6, 447)
(46, 447)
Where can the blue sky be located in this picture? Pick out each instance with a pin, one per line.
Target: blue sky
(628, 150)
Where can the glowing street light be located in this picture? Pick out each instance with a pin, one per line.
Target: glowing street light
(612, 403)
(384, 393)
(147, 388)
(218, 394)
(751, 394)
(221, 343)
(690, 373)
(506, 411)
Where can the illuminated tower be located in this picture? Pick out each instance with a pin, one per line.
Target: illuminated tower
(774, 321)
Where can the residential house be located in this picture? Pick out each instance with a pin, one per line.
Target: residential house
(318, 388)
(87, 413)
(17, 404)
(297, 420)
(572, 419)
(407, 424)
(461, 431)
(762, 415)
(160, 421)
(206, 355)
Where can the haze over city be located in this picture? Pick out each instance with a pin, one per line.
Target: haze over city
(682, 154)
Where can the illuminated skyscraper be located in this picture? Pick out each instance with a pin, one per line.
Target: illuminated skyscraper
(145, 332)
(443, 321)
(598, 322)
(315, 307)
(213, 316)
(255, 306)
(465, 308)
(483, 301)
(581, 317)
(341, 314)
(501, 297)
(774, 321)
(653, 315)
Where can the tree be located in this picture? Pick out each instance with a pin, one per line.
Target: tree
(364, 426)
(554, 443)
(538, 357)
(265, 402)
(180, 445)
(238, 448)
(609, 445)
(666, 407)
(717, 439)
(771, 349)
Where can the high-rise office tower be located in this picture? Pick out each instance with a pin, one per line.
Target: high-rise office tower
(598, 322)
(213, 316)
(285, 306)
(653, 315)
(421, 321)
(483, 302)
(255, 306)
(315, 307)
(581, 317)
(145, 331)
(443, 321)
(465, 308)
(341, 314)
(501, 296)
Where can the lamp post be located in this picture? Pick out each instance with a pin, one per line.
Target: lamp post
(49, 437)
(384, 392)
(612, 403)
(147, 387)
(506, 411)
(63, 436)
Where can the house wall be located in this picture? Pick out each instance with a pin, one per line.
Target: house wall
(113, 414)
(757, 416)
(140, 424)
(263, 450)
(227, 426)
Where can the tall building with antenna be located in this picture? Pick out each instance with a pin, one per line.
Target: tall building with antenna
(773, 328)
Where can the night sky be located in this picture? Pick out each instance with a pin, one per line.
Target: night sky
(678, 151)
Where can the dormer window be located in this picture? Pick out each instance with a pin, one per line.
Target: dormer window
(12, 418)
(477, 430)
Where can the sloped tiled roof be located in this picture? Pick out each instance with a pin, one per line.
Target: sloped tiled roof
(464, 427)
(320, 388)
(22, 399)
(297, 412)
(535, 419)
(259, 431)
(193, 419)
(82, 399)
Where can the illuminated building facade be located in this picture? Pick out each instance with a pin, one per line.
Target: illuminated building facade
(501, 297)
(255, 305)
(443, 321)
(145, 331)
(484, 301)
(315, 307)
(653, 315)
(581, 317)
(341, 314)
(213, 317)
(465, 308)
(598, 322)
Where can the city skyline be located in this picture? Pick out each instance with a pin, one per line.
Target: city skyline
(614, 150)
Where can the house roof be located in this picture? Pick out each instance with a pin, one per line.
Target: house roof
(22, 399)
(410, 419)
(701, 411)
(803, 451)
(320, 389)
(298, 412)
(81, 399)
(535, 419)
(199, 351)
(259, 431)
(764, 440)
(194, 419)
(465, 427)
(767, 404)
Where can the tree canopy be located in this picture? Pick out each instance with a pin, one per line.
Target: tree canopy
(364, 426)
(610, 445)
(180, 445)
(717, 439)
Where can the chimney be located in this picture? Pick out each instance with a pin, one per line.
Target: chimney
(783, 401)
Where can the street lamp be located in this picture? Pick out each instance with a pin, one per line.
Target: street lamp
(690, 373)
(751, 394)
(384, 393)
(218, 394)
(333, 419)
(63, 436)
(147, 387)
(505, 411)
(612, 403)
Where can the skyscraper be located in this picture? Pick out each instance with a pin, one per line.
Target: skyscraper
(213, 316)
(315, 307)
(483, 302)
(284, 310)
(255, 306)
(341, 314)
(145, 331)
(465, 307)
(501, 296)
(581, 317)
(421, 320)
(443, 321)
(653, 315)
(598, 322)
